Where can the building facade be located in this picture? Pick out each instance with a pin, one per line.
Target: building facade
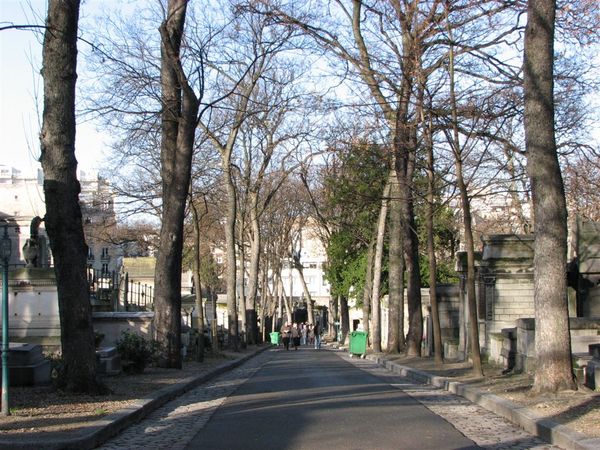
(22, 199)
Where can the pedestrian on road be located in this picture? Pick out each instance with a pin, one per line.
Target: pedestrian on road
(295, 336)
(317, 331)
(303, 333)
(285, 335)
(311, 334)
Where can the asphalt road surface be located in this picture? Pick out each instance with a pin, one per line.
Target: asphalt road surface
(312, 399)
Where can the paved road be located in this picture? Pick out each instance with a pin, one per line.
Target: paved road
(309, 399)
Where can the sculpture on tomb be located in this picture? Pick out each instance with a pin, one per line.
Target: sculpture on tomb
(31, 247)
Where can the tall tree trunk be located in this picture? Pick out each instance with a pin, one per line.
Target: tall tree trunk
(467, 224)
(413, 285)
(344, 318)
(309, 301)
(376, 294)
(198, 283)
(368, 289)
(255, 248)
(179, 116)
(552, 340)
(429, 215)
(410, 238)
(430, 208)
(278, 288)
(287, 301)
(61, 190)
(241, 282)
(212, 296)
(404, 157)
(266, 302)
(231, 274)
(396, 340)
(335, 317)
(404, 153)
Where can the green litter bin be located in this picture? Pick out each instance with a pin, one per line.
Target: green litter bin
(358, 343)
(274, 337)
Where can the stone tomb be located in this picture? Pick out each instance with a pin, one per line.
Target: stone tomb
(592, 370)
(27, 365)
(108, 361)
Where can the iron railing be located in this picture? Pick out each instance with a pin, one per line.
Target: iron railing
(115, 291)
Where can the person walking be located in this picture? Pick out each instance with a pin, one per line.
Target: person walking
(311, 334)
(303, 333)
(317, 331)
(295, 336)
(286, 333)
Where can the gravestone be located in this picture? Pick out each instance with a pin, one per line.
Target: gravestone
(592, 370)
(109, 361)
(588, 260)
(27, 365)
(33, 307)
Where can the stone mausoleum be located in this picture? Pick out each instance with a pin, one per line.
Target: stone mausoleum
(505, 299)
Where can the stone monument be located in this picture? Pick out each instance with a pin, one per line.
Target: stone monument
(31, 249)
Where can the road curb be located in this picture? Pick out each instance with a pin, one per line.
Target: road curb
(101, 430)
(523, 417)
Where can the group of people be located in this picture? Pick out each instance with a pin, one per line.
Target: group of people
(301, 334)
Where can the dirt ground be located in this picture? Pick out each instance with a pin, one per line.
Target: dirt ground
(42, 409)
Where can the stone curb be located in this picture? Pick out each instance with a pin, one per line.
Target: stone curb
(523, 417)
(101, 430)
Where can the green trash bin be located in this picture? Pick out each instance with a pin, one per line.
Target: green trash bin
(358, 343)
(275, 337)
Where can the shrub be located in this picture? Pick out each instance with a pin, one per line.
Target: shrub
(136, 351)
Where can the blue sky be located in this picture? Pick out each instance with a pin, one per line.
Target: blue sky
(20, 84)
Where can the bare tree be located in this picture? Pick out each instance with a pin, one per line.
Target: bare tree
(454, 139)
(396, 339)
(197, 274)
(179, 119)
(429, 223)
(377, 261)
(552, 338)
(61, 190)
(270, 143)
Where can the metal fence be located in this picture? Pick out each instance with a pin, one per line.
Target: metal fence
(116, 292)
